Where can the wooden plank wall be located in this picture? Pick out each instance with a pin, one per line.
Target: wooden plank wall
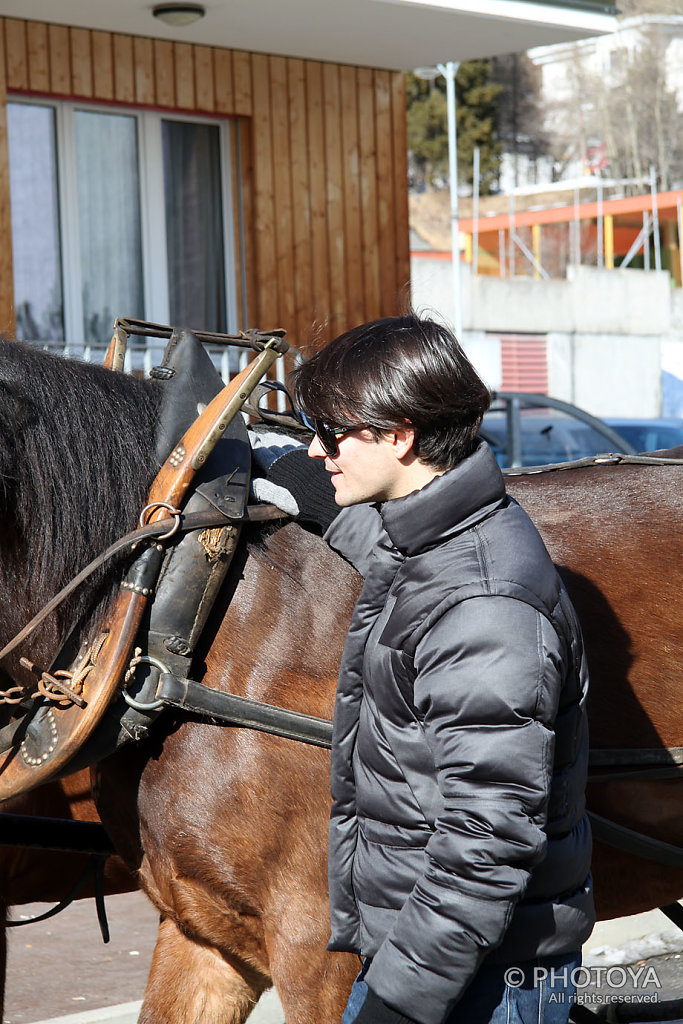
(322, 160)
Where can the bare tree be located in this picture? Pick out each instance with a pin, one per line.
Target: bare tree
(519, 121)
(642, 102)
(629, 112)
(569, 118)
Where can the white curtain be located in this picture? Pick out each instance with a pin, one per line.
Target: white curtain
(108, 220)
(36, 245)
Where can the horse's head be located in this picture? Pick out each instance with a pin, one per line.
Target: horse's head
(76, 460)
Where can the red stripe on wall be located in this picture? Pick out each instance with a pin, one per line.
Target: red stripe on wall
(524, 363)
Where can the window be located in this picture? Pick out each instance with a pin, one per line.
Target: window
(118, 213)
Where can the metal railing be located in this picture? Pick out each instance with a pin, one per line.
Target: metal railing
(142, 355)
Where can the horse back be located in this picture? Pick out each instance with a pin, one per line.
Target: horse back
(614, 533)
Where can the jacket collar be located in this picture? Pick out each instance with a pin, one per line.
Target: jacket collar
(447, 505)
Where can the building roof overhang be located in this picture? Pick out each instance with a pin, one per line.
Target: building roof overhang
(396, 34)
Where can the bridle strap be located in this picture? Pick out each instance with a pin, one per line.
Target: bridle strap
(245, 712)
(608, 459)
(187, 523)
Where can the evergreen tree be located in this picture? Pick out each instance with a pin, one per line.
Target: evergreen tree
(427, 116)
(477, 98)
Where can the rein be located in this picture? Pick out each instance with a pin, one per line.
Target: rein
(638, 763)
(183, 524)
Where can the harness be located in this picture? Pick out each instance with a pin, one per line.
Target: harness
(204, 452)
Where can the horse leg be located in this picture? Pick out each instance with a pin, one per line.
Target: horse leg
(313, 984)
(191, 983)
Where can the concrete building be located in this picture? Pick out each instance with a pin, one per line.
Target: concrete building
(602, 339)
(604, 56)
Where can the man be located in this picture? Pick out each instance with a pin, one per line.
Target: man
(459, 850)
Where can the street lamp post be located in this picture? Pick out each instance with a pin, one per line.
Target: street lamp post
(449, 71)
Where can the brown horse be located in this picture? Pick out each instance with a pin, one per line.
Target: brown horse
(229, 826)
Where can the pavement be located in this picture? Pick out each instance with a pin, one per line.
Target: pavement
(268, 1011)
(59, 971)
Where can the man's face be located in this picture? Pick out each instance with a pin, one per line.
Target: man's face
(364, 469)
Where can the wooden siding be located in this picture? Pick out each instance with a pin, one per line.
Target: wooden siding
(319, 151)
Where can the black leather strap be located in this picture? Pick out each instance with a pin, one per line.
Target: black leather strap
(94, 867)
(188, 695)
(674, 911)
(636, 843)
(66, 834)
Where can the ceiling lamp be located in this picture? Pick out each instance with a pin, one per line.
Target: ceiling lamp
(178, 15)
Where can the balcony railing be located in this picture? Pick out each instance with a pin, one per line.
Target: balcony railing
(142, 355)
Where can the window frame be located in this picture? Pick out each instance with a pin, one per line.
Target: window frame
(152, 209)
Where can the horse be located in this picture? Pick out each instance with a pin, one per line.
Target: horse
(227, 827)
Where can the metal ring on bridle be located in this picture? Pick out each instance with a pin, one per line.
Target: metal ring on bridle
(171, 508)
(144, 659)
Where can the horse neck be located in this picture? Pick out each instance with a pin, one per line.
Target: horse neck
(82, 462)
(278, 631)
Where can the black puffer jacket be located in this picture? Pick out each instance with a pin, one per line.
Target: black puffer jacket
(460, 745)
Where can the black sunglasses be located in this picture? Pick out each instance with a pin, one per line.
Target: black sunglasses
(328, 435)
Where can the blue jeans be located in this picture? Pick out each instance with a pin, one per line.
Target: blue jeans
(538, 991)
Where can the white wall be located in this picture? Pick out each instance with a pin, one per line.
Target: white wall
(610, 333)
(589, 301)
(605, 375)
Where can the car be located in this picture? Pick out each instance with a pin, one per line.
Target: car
(536, 430)
(649, 435)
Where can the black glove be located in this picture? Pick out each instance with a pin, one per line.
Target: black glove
(309, 483)
(374, 1011)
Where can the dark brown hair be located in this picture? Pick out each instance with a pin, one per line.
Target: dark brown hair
(396, 370)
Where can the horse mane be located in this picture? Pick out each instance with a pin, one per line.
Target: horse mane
(76, 463)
